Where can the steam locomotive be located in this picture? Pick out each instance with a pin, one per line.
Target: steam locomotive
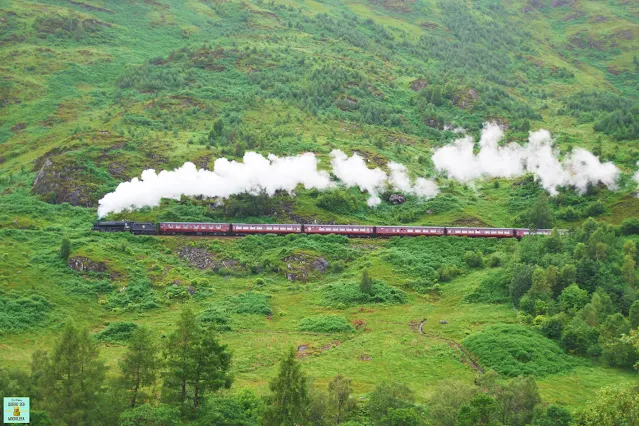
(362, 231)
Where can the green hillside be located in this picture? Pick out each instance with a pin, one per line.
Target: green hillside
(94, 92)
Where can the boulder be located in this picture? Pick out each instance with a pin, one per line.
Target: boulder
(397, 199)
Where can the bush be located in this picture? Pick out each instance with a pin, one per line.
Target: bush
(349, 294)
(595, 209)
(326, 324)
(513, 350)
(492, 289)
(21, 313)
(474, 259)
(630, 226)
(216, 317)
(117, 332)
(449, 272)
(248, 303)
(162, 415)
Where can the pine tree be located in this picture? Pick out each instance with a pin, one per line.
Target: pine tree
(70, 379)
(211, 362)
(65, 249)
(179, 363)
(140, 364)
(366, 284)
(289, 399)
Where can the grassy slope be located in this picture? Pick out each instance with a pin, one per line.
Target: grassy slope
(65, 92)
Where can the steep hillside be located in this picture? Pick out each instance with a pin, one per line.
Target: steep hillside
(94, 92)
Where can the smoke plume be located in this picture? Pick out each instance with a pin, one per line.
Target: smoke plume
(578, 169)
(257, 174)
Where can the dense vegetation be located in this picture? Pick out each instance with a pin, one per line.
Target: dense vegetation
(358, 332)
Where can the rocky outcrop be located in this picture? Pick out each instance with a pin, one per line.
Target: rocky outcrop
(397, 199)
(58, 183)
(201, 258)
(301, 265)
(85, 265)
(419, 84)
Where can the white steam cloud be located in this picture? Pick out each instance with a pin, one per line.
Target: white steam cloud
(578, 169)
(256, 174)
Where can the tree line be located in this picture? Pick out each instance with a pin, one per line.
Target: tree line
(179, 382)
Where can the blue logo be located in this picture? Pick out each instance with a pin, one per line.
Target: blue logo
(16, 410)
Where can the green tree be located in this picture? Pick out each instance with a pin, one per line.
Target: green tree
(211, 364)
(70, 379)
(474, 259)
(553, 415)
(540, 289)
(447, 399)
(628, 271)
(339, 397)
(387, 396)
(148, 415)
(520, 282)
(366, 283)
(436, 97)
(633, 315)
(481, 410)
(65, 249)
(517, 400)
(243, 408)
(553, 243)
(140, 364)
(403, 417)
(288, 402)
(218, 126)
(630, 249)
(615, 405)
(540, 215)
(179, 363)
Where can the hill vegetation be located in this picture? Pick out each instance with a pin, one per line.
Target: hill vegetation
(355, 331)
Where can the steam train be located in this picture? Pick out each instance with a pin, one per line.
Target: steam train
(361, 231)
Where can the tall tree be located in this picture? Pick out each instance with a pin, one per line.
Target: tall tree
(179, 363)
(140, 364)
(71, 378)
(339, 395)
(289, 399)
(211, 363)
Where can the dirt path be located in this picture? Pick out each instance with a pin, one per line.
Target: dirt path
(465, 356)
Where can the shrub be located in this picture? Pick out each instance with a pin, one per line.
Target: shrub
(248, 303)
(217, 317)
(630, 226)
(117, 332)
(326, 324)
(513, 350)
(22, 313)
(349, 294)
(137, 297)
(474, 259)
(492, 289)
(449, 272)
(494, 260)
